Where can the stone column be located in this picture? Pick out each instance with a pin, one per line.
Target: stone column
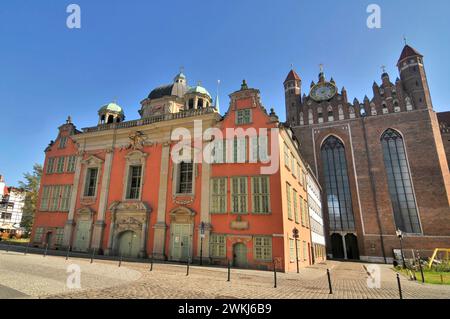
(204, 211)
(99, 227)
(110, 250)
(143, 252)
(160, 227)
(68, 228)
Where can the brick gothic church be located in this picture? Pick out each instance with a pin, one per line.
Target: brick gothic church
(381, 162)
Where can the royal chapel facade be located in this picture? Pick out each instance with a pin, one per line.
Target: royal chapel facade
(115, 188)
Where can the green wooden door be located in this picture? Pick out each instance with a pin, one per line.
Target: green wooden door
(129, 243)
(82, 236)
(240, 255)
(181, 241)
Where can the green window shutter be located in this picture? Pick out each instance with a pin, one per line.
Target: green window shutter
(45, 198)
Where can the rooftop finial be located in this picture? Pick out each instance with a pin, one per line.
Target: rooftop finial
(244, 85)
(216, 103)
(181, 69)
(321, 67)
(383, 68)
(69, 120)
(405, 39)
(292, 66)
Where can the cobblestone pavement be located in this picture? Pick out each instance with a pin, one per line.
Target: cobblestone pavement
(33, 276)
(104, 279)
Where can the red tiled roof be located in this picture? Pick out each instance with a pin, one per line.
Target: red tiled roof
(292, 76)
(409, 52)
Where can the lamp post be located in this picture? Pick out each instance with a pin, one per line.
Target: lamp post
(296, 235)
(400, 236)
(202, 236)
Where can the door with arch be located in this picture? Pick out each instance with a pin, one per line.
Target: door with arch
(129, 242)
(82, 236)
(337, 246)
(181, 241)
(351, 245)
(240, 255)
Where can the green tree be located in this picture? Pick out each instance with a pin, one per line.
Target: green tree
(31, 187)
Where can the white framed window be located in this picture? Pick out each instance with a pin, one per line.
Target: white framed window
(259, 146)
(243, 116)
(261, 195)
(185, 178)
(38, 235)
(50, 165)
(288, 201)
(60, 164)
(134, 182)
(291, 250)
(240, 150)
(71, 161)
(63, 142)
(90, 186)
(295, 202)
(217, 246)
(65, 198)
(218, 193)
(305, 251)
(263, 248)
(286, 156)
(239, 195)
(59, 236)
(45, 197)
(54, 198)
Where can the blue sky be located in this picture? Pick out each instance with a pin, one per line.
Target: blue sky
(126, 48)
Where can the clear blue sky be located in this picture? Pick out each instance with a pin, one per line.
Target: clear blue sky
(126, 48)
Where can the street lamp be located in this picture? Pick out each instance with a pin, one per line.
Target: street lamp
(400, 236)
(296, 235)
(202, 236)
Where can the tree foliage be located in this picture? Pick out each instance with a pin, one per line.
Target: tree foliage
(31, 187)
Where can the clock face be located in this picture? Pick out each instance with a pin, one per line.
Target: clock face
(323, 92)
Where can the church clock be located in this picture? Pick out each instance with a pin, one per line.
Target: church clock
(323, 91)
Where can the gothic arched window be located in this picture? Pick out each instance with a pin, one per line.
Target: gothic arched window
(337, 187)
(399, 182)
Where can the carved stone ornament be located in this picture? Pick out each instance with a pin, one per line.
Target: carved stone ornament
(137, 141)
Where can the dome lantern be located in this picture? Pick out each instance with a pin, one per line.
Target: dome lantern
(110, 113)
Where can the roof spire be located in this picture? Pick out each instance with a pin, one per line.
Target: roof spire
(216, 102)
(244, 85)
(405, 39)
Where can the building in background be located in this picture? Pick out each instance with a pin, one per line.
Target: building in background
(116, 189)
(381, 162)
(12, 201)
(318, 248)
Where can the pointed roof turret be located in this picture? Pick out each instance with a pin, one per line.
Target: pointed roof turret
(292, 76)
(408, 52)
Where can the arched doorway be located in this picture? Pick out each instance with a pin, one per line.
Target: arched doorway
(181, 240)
(351, 245)
(129, 243)
(337, 246)
(82, 236)
(240, 255)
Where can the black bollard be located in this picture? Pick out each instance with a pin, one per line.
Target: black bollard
(26, 248)
(92, 256)
(7, 247)
(187, 270)
(120, 261)
(329, 282)
(151, 263)
(399, 286)
(421, 272)
(68, 252)
(229, 271)
(46, 248)
(274, 275)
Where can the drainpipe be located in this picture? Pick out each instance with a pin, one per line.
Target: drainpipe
(372, 182)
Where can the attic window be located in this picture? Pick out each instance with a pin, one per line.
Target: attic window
(243, 116)
(63, 142)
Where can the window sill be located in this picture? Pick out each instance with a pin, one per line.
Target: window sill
(263, 214)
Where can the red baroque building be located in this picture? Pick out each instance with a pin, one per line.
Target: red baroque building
(115, 188)
(381, 162)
